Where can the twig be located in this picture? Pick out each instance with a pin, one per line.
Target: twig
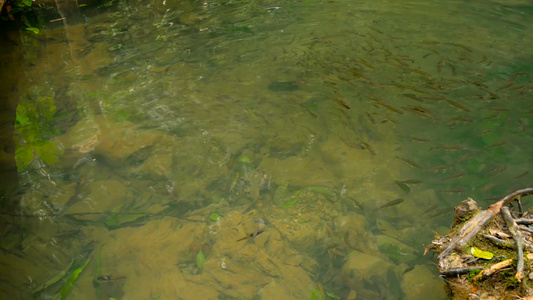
(459, 271)
(499, 242)
(493, 269)
(519, 240)
(496, 267)
(524, 228)
(524, 221)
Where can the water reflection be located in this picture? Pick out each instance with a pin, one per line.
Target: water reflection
(165, 131)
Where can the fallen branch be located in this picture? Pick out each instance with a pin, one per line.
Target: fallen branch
(488, 271)
(519, 241)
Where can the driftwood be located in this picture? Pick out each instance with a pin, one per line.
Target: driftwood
(457, 262)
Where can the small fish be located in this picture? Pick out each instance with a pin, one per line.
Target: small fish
(409, 162)
(418, 139)
(459, 46)
(497, 171)
(367, 146)
(409, 181)
(508, 85)
(391, 108)
(458, 105)
(404, 187)
(440, 212)
(522, 175)
(522, 124)
(420, 111)
(391, 203)
(109, 277)
(448, 147)
(431, 208)
(412, 96)
(251, 235)
(457, 175)
(453, 191)
(497, 144)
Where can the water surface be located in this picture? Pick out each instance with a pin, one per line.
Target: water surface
(259, 149)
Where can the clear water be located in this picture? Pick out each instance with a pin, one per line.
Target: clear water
(258, 149)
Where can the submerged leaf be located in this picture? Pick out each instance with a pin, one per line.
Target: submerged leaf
(290, 203)
(317, 294)
(55, 279)
(200, 259)
(71, 281)
(214, 217)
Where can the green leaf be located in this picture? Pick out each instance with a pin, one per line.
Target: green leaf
(332, 295)
(200, 259)
(215, 217)
(23, 157)
(33, 29)
(22, 116)
(290, 203)
(321, 190)
(476, 252)
(317, 294)
(49, 152)
(54, 280)
(245, 159)
(71, 281)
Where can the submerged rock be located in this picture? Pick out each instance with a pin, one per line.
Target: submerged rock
(370, 276)
(419, 283)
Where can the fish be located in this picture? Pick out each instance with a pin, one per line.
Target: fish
(409, 162)
(497, 171)
(418, 139)
(458, 105)
(412, 96)
(457, 175)
(522, 175)
(409, 181)
(252, 235)
(508, 85)
(431, 208)
(367, 146)
(391, 108)
(459, 46)
(391, 203)
(420, 111)
(406, 189)
(453, 191)
(500, 143)
(110, 277)
(448, 147)
(522, 124)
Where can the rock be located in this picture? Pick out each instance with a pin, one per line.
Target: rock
(157, 165)
(370, 276)
(395, 250)
(421, 282)
(465, 210)
(104, 195)
(273, 290)
(291, 170)
(352, 229)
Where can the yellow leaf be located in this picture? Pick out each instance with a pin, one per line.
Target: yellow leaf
(476, 252)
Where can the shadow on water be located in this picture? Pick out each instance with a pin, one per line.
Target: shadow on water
(248, 150)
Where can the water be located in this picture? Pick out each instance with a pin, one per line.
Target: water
(302, 147)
